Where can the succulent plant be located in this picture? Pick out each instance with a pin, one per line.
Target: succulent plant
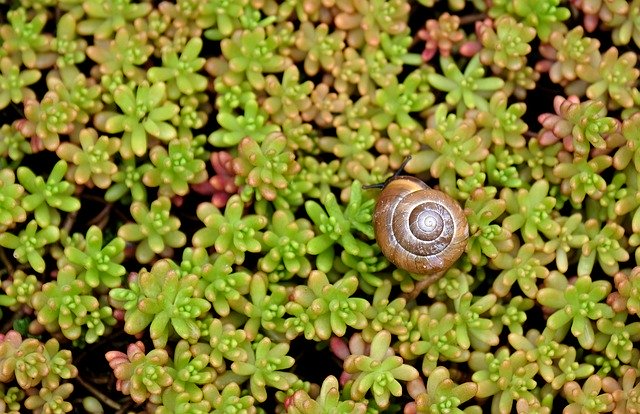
(545, 17)
(91, 161)
(155, 228)
(99, 264)
(256, 231)
(264, 367)
(531, 213)
(614, 80)
(29, 244)
(603, 244)
(252, 123)
(231, 231)
(15, 82)
(588, 395)
(128, 182)
(23, 40)
(264, 169)
(287, 98)
(181, 73)
(507, 45)
(51, 400)
(11, 211)
(139, 374)
(505, 376)
(569, 54)
(576, 305)
(251, 54)
(399, 100)
(465, 89)
(579, 125)
(190, 371)
(144, 114)
(379, 371)
(105, 18)
(69, 48)
(626, 283)
(264, 307)
(436, 339)
(287, 239)
(486, 239)
(47, 120)
(327, 308)
(440, 35)
(65, 304)
(32, 362)
(174, 169)
(328, 401)
(163, 300)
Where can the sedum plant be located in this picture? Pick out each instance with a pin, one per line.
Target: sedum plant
(287, 239)
(189, 176)
(47, 198)
(48, 400)
(328, 401)
(174, 169)
(139, 374)
(576, 305)
(250, 54)
(441, 394)
(266, 169)
(263, 368)
(23, 40)
(65, 304)
(378, 371)
(91, 160)
(231, 231)
(508, 45)
(11, 210)
(506, 377)
(163, 300)
(180, 73)
(19, 290)
(29, 245)
(144, 114)
(465, 89)
(155, 229)
(32, 362)
(335, 227)
(100, 265)
(14, 82)
(321, 309)
(47, 120)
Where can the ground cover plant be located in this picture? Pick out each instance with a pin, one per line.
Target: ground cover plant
(184, 228)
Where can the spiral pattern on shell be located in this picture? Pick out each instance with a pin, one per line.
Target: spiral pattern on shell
(419, 229)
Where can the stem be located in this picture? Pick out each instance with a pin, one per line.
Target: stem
(100, 396)
(471, 18)
(5, 260)
(9, 324)
(421, 285)
(99, 219)
(125, 407)
(69, 221)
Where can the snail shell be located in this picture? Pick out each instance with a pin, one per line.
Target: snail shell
(419, 229)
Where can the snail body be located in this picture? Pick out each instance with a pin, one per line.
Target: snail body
(419, 229)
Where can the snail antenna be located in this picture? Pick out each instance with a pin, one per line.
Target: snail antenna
(368, 186)
(401, 168)
(395, 174)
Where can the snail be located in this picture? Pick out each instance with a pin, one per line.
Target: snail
(419, 229)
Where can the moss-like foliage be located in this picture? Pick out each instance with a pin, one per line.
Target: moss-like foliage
(189, 187)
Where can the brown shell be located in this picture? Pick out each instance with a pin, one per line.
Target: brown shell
(419, 229)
